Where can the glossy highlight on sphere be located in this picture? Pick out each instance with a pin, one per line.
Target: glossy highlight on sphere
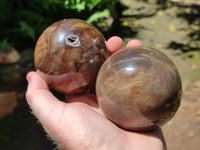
(139, 88)
(68, 54)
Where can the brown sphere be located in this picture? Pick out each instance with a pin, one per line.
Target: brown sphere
(139, 88)
(68, 54)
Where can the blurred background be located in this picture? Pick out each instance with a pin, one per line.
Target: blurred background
(172, 26)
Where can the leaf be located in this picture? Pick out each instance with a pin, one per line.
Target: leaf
(28, 31)
(75, 4)
(5, 8)
(198, 113)
(169, 123)
(31, 16)
(124, 23)
(97, 15)
(197, 85)
(172, 28)
(153, 22)
(194, 66)
(92, 4)
(4, 44)
(80, 6)
(158, 46)
(5, 138)
(160, 13)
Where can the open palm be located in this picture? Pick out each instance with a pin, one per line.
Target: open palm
(79, 123)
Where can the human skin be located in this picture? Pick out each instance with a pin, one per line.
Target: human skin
(79, 123)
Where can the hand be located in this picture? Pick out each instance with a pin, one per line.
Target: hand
(79, 123)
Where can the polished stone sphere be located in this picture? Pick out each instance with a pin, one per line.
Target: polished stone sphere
(68, 54)
(139, 88)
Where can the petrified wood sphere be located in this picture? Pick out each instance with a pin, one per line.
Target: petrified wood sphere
(68, 55)
(139, 88)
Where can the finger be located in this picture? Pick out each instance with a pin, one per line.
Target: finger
(114, 44)
(133, 43)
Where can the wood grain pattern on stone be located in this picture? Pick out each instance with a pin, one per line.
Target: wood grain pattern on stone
(69, 54)
(139, 88)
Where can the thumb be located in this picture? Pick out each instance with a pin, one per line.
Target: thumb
(63, 121)
(72, 125)
(42, 102)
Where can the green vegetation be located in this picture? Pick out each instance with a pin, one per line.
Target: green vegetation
(25, 20)
(198, 113)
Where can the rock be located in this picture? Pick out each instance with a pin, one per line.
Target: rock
(9, 56)
(194, 44)
(8, 103)
(187, 2)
